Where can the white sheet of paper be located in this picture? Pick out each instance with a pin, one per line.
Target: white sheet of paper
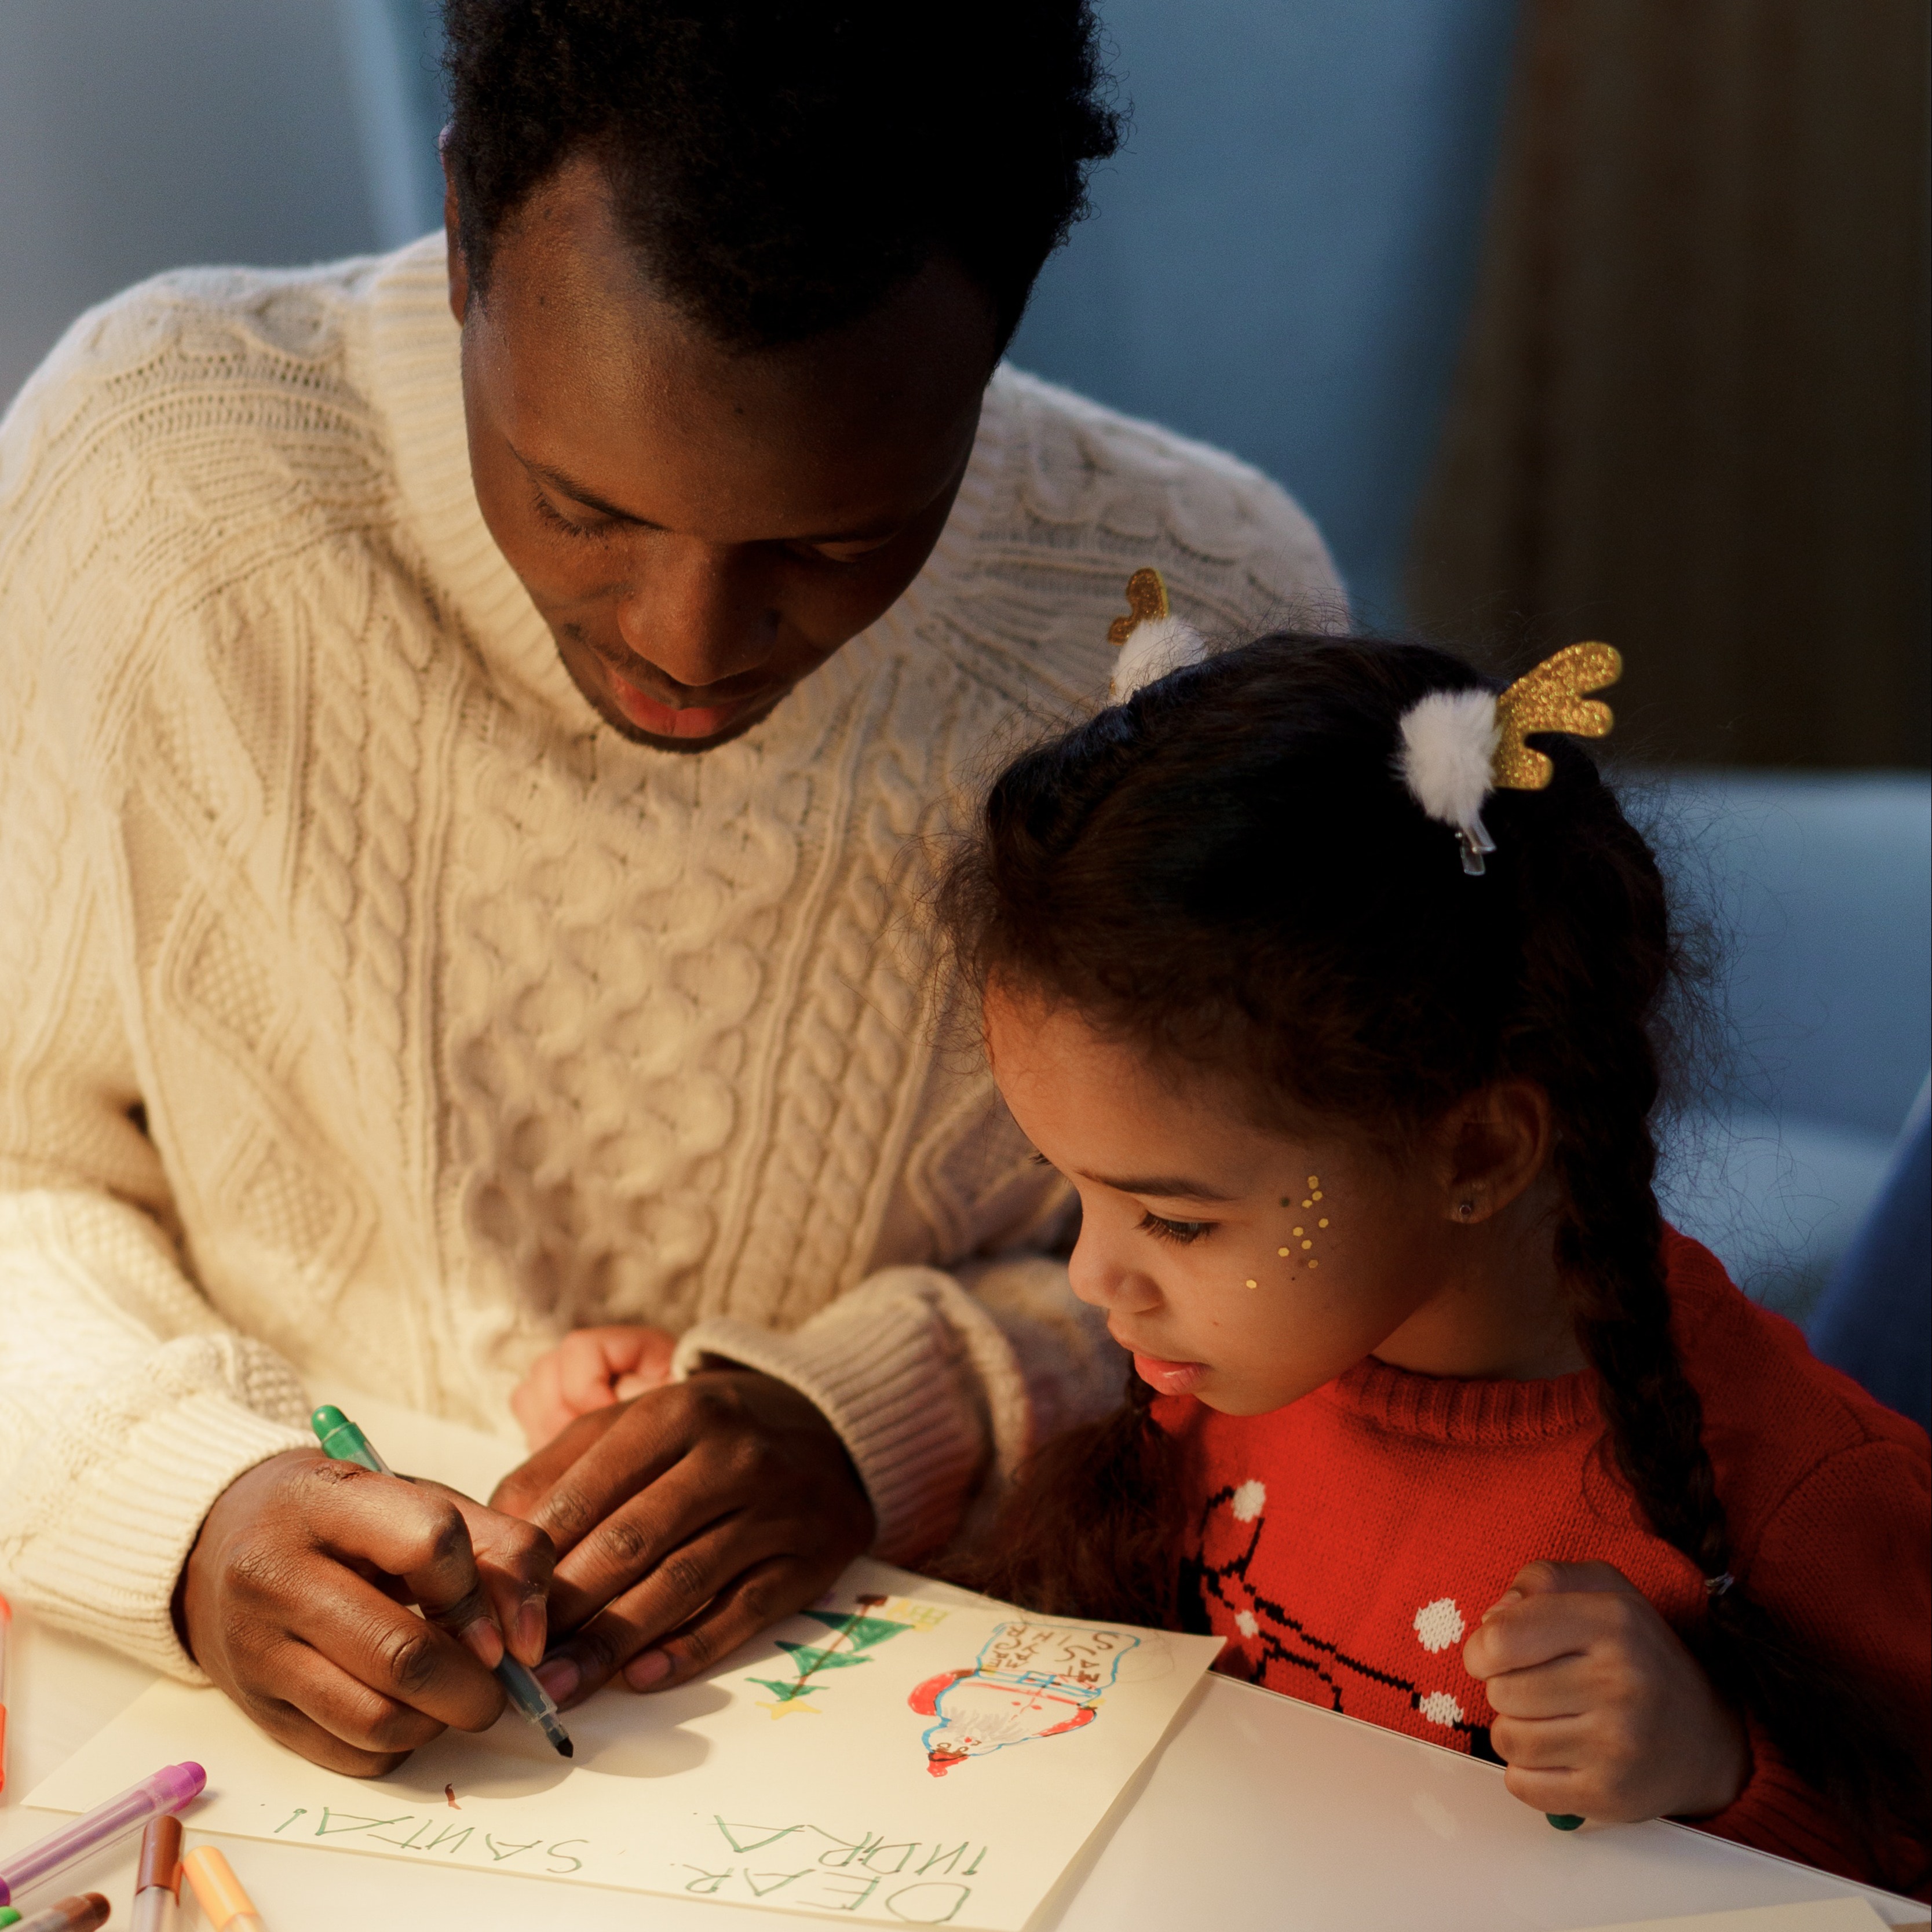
(913, 1755)
(1819, 1914)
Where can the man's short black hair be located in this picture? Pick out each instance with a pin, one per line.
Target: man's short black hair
(781, 165)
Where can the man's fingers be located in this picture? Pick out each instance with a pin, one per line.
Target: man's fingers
(289, 1725)
(765, 1593)
(360, 1718)
(514, 1559)
(651, 1542)
(646, 1441)
(398, 1657)
(411, 1530)
(531, 1481)
(728, 1560)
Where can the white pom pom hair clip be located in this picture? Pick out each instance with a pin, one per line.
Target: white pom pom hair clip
(1458, 746)
(1153, 640)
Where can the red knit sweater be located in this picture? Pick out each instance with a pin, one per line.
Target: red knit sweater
(1345, 1545)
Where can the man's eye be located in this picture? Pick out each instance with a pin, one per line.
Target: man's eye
(548, 513)
(1181, 1232)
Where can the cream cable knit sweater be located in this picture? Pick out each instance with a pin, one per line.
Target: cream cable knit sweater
(368, 1009)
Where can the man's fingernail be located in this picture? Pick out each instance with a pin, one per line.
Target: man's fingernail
(531, 1622)
(486, 1640)
(653, 1667)
(560, 1677)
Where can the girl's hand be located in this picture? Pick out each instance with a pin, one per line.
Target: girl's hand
(1600, 1711)
(592, 1369)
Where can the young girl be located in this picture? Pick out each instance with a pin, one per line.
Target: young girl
(1350, 1058)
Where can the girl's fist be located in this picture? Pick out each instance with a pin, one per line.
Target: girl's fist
(1600, 1711)
(590, 1369)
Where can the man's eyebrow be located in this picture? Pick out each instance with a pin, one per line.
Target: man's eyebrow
(1162, 1186)
(578, 493)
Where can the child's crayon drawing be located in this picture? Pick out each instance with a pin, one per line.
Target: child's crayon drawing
(854, 1633)
(1032, 1680)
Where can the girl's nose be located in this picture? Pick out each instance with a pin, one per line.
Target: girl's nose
(1103, 1278)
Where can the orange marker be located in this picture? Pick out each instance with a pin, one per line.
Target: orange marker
(226, 1906)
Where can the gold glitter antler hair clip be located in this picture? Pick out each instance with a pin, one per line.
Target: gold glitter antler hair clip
(1552, 697)
(1151, 639)
(1458, 746)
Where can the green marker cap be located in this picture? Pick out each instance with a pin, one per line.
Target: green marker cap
(1564, 1821)
(8, 1916)
(344, 1441)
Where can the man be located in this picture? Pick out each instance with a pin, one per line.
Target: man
(456, 780)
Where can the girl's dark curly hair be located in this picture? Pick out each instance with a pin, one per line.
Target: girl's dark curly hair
(781, 165)
(1228, 871)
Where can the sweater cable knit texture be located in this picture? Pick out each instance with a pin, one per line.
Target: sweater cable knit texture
(369, 1010)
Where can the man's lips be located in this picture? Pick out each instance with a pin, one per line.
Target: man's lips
(667, 720)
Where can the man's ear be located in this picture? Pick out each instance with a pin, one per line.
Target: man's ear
(1495, 1142)
(459, 268)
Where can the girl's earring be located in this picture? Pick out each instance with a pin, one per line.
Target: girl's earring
(1465, 1210)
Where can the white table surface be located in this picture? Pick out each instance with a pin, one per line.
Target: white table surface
(1258, 1811)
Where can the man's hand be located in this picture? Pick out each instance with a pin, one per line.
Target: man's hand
(1600, 1711)
(590, 1369)
(686, 1521)
(293, 1600)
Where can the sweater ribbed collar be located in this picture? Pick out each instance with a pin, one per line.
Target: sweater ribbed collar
(412, 369)
(1452, 1409)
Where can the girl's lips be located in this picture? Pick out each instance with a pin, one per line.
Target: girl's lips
(663, 721)
(1170, 1378)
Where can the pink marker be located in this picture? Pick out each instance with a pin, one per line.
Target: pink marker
(169, 1789)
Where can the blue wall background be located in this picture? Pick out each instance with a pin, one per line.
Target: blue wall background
(1281, 260)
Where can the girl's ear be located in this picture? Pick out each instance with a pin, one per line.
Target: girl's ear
(1495, 1142)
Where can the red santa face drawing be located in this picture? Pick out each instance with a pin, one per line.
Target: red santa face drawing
(1032, 1680)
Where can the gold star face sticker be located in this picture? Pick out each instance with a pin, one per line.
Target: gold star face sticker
(1146, 598)
(1551, 698)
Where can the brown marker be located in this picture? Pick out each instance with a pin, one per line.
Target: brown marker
(157, 1881)
(81, 1914)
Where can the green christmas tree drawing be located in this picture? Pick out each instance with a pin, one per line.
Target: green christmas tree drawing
(854, 1633)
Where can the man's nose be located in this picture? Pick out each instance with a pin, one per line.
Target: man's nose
(700, 612)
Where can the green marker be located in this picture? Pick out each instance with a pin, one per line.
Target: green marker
(345, 1443)
(8, 1916)
(1564, 1821)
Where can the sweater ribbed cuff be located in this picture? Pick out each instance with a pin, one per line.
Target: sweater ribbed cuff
(107, 1567)
(885, 1371)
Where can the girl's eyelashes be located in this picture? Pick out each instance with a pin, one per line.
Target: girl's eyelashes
(1180, 1232)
